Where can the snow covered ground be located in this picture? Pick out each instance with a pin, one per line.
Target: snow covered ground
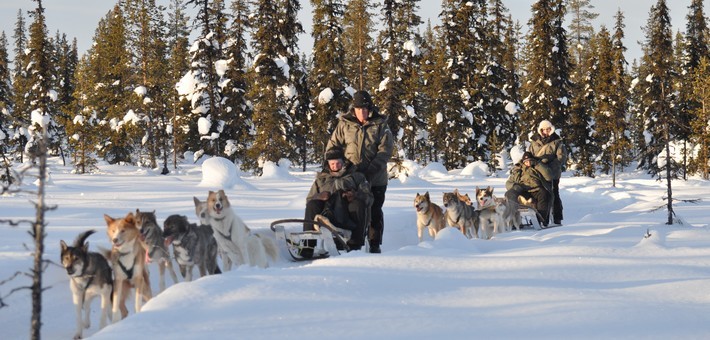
(596, 277)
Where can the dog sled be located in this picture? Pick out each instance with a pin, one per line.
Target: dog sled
(325, 240)
(529, 217)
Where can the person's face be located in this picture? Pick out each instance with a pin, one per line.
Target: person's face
(546, 131)
(335, 164)
(528, 162)
(362, 113)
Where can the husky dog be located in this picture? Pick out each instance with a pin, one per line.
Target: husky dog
(157, 248)
(128, 256)
(461, 215)
(201, 212)
(509, 214)
(234, 237)
(192, 246)
(90, 276)
(429, 216)
(489, 212)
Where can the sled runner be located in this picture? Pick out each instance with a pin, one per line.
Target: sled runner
(529, 217)
(320, 243)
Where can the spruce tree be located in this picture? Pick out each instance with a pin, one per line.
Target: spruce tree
(547, 84)
(268, 74)
(430, 49)
(82, 127)
(701, 134)
(396, 101)
(656, 79)
(237, 110)
(110, 67)
(5, 113)
(456, 132)
(295, 92)
(20, 85)
(581, 29)
(329, 86)
(500, 118)
(621, 147)
(696, 47)
(358, 26)
(205, 95)
(41, 94)
(658, 100)
(180, 108)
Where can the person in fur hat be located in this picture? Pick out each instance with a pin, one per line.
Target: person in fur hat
(368, 144)
(547, 146)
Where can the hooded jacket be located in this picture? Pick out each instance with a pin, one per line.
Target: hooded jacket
(550, 151)
(367, 146)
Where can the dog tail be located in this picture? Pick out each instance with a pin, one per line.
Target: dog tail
(79, 242)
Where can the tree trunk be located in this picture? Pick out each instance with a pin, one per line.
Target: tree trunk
(38, 235)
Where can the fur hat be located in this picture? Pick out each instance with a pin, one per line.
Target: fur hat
(335, 152)
(362, 99)
(545, 124)
(528, 155)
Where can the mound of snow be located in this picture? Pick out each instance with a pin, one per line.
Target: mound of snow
(476, 169)
(434, 169)
(219, 172)
(277, 171)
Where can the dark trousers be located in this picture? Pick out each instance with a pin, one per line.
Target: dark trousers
(542, 199)
(377, 217)
(557, 205)
(357, 214)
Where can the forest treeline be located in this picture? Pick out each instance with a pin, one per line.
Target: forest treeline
(466, 90)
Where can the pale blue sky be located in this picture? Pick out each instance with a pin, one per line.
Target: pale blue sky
(78, 18)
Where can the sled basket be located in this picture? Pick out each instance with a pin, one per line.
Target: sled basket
(311, 244)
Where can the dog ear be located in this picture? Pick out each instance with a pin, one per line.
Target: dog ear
(129, 218)
(62, 245)
(85, 247)
(196, 200)
(490, 188)
(426, 194)
(108, 219)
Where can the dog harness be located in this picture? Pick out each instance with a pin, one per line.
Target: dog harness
(128, 272)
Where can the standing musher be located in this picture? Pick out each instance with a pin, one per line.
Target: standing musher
(547, 146)
(367, 140)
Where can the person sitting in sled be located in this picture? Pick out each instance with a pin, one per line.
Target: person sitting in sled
(527, 179)
(342, 195)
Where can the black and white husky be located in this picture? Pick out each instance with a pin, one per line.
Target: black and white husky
(192, 245)
(90, 276)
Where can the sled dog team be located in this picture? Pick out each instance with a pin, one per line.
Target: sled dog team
(486, 217)
(137, 240)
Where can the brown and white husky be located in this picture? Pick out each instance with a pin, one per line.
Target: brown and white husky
(429, 216)
(128, 257)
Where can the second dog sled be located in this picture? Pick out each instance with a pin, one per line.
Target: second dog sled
(325, 240)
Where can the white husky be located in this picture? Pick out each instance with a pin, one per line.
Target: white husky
(235, 238)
